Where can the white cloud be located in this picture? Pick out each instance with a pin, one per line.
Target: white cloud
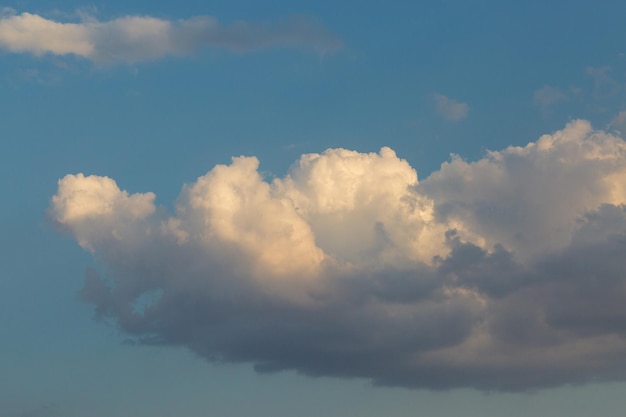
(139, 38)
(32, 33)
(450, 109)
(529, 198)
(93, 205)
(504, 273)
(362, 207)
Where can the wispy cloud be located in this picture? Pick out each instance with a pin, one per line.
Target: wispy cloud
(547, 96)
(619, 121)
(138, 38)
(605, 85)
(506, 273)
(450, 109)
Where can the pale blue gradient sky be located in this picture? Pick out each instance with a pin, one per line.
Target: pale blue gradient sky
(156, 125)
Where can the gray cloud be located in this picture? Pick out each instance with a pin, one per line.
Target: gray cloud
(501, 274)
(139, 38)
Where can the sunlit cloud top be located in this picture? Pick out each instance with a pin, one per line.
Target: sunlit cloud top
(139, 38)
(505, 273)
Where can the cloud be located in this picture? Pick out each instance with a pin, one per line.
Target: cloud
(619, 121)
(547, 96)
(529, 198)
(139, 38)
(450, 109)
(500, 274)
(605, 86)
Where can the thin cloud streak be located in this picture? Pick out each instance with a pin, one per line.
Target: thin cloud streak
(501, 274)
(132, 39)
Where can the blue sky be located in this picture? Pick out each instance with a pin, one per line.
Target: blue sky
(342, 270)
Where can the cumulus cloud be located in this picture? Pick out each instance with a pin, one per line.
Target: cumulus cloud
(450, 109)
(501, 274)
(139, 38)
(529, 198)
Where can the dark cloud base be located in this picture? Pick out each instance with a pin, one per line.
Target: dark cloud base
(504, 274)
(562, 300)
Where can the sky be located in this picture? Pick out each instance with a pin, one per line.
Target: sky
(312, 208)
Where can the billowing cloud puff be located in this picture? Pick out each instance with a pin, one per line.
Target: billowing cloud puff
(139, 38)
(530, 199)
(506, 273)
